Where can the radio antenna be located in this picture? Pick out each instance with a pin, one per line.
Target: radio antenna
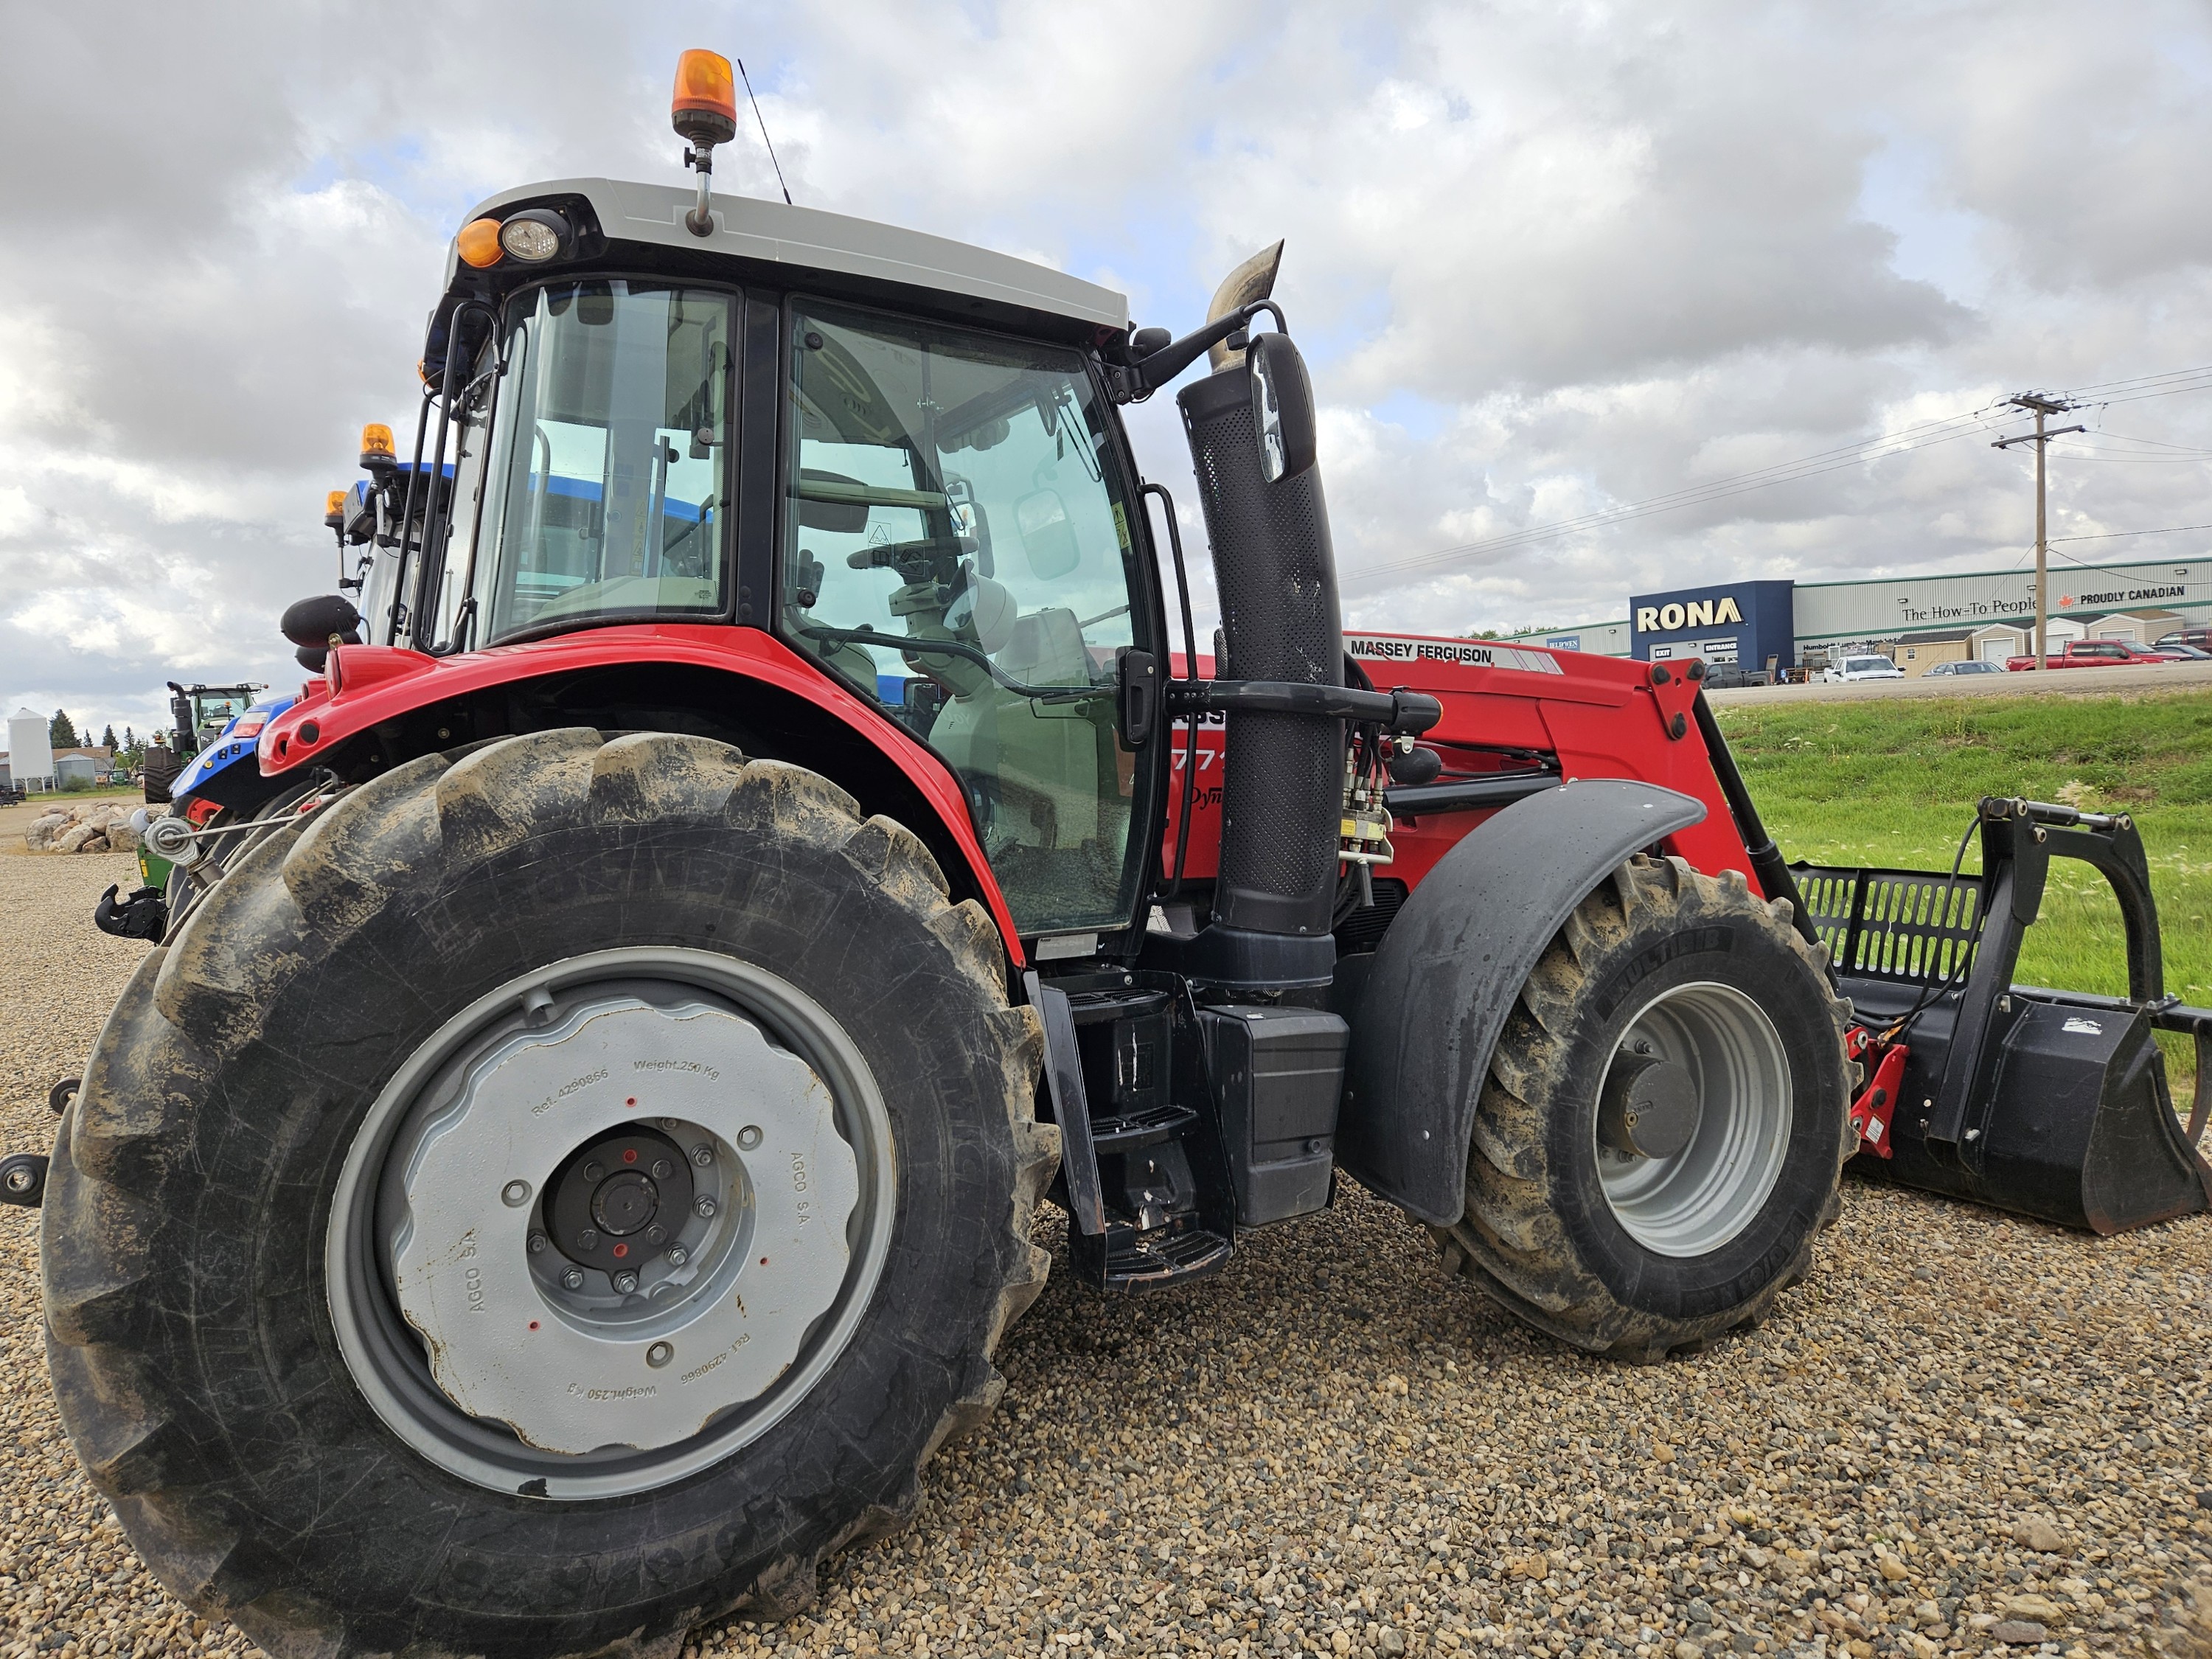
(772, 161)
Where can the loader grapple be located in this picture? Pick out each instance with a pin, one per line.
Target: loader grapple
(2051, 1104)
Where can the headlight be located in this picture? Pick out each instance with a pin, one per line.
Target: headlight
(534, 236)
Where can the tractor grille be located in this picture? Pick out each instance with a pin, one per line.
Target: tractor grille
(1909, 925)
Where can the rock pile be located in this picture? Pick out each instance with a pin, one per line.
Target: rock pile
(102, 826)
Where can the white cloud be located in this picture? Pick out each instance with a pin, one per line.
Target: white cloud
(1544, 260)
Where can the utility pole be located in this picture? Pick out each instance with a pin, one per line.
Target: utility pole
(2042, 408)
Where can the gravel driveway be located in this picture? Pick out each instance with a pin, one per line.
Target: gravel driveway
(1964, 1428)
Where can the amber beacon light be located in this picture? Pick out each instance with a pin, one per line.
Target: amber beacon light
(376, 451)
(478, 243)
(704, 112)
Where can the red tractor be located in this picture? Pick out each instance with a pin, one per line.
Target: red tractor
(572, 1163)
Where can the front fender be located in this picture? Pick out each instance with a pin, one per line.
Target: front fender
(1447, 972)
(378, 687)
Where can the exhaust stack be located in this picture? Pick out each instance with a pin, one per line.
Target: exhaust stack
(1275, 570)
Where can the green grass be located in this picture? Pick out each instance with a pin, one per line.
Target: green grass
(1894, 781)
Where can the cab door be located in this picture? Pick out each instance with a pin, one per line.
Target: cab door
(959, 543)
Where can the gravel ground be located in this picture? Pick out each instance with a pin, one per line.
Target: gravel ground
(1964, 1425)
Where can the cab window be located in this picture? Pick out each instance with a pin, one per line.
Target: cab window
(957, 546)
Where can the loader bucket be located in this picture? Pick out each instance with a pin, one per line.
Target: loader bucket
(2052, 1103)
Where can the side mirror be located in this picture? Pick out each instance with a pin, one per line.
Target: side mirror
(1041, 520)
(1282, 407)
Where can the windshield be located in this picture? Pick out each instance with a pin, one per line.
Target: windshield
(957, 546)
(596, 483)
(217, 709)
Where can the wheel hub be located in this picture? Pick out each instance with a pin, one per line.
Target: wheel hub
(611, 1230)
(1693, 1119)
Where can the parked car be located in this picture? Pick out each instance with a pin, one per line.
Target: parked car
(2198, 639)
(1848, 670)
(2177, 652)
(1727, 677)
(1971, 665)
(2093, 654)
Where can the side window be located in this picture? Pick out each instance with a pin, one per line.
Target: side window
(957, 545)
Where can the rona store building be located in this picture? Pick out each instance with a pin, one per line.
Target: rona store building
(1918, 621)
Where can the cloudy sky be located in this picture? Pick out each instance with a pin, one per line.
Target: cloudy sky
(1547, 262)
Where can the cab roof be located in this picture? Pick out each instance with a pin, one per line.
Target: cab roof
(807, 239)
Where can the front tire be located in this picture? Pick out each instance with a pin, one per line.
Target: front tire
(1660, 1137)
(248, 1355)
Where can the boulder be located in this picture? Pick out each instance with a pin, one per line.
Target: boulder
(73, 839)
(121, 838)
(39, 834)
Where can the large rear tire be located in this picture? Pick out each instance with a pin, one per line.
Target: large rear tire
(258, 1359)
(1665, 1120)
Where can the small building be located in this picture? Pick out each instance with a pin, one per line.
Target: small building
(72, 771)
(1917, 654)
(2137, 627)
(1998, 641)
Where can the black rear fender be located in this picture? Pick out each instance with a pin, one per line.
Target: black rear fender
(1446, 975)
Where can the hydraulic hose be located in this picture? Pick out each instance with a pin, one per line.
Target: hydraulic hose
(1766, 860)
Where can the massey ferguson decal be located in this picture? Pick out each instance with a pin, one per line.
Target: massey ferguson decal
(1472, 653)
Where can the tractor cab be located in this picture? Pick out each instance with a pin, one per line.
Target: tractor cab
(776, 427)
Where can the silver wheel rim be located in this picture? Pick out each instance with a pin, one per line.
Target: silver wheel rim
(790, 1133)
(1693, 1202)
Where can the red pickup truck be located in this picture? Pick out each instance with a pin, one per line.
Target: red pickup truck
(2092, 653)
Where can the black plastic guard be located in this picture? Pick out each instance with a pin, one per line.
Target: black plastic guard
(1447, 973)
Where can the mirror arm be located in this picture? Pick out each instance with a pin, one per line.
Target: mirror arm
(1148, 374)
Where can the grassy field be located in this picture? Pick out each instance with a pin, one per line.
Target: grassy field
(1895, 783)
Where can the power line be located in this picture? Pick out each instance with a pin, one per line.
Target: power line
(1925, 434)
(1904, 440)
(2116, 535)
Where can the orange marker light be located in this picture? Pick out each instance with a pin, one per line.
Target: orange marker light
(334, 510)
(480, 242)
(705, 107)
(376, 442)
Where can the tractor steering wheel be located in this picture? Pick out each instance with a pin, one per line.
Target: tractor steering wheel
(916, 557)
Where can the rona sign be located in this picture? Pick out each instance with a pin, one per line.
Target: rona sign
(1743, 624)
(1697, 613)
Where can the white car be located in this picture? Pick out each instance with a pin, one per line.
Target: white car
(1848, 669)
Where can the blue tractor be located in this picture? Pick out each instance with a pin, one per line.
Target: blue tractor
(219, 803)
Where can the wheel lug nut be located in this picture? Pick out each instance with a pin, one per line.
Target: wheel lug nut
(703, 1156)
(516, 1195)
(574, 1279)
(662, 1168)
(705, 1208)
(626, 1280)
(677, 1256)
(655, 1234)
(537, 1243)
(594, 1170)
(587, 1240)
